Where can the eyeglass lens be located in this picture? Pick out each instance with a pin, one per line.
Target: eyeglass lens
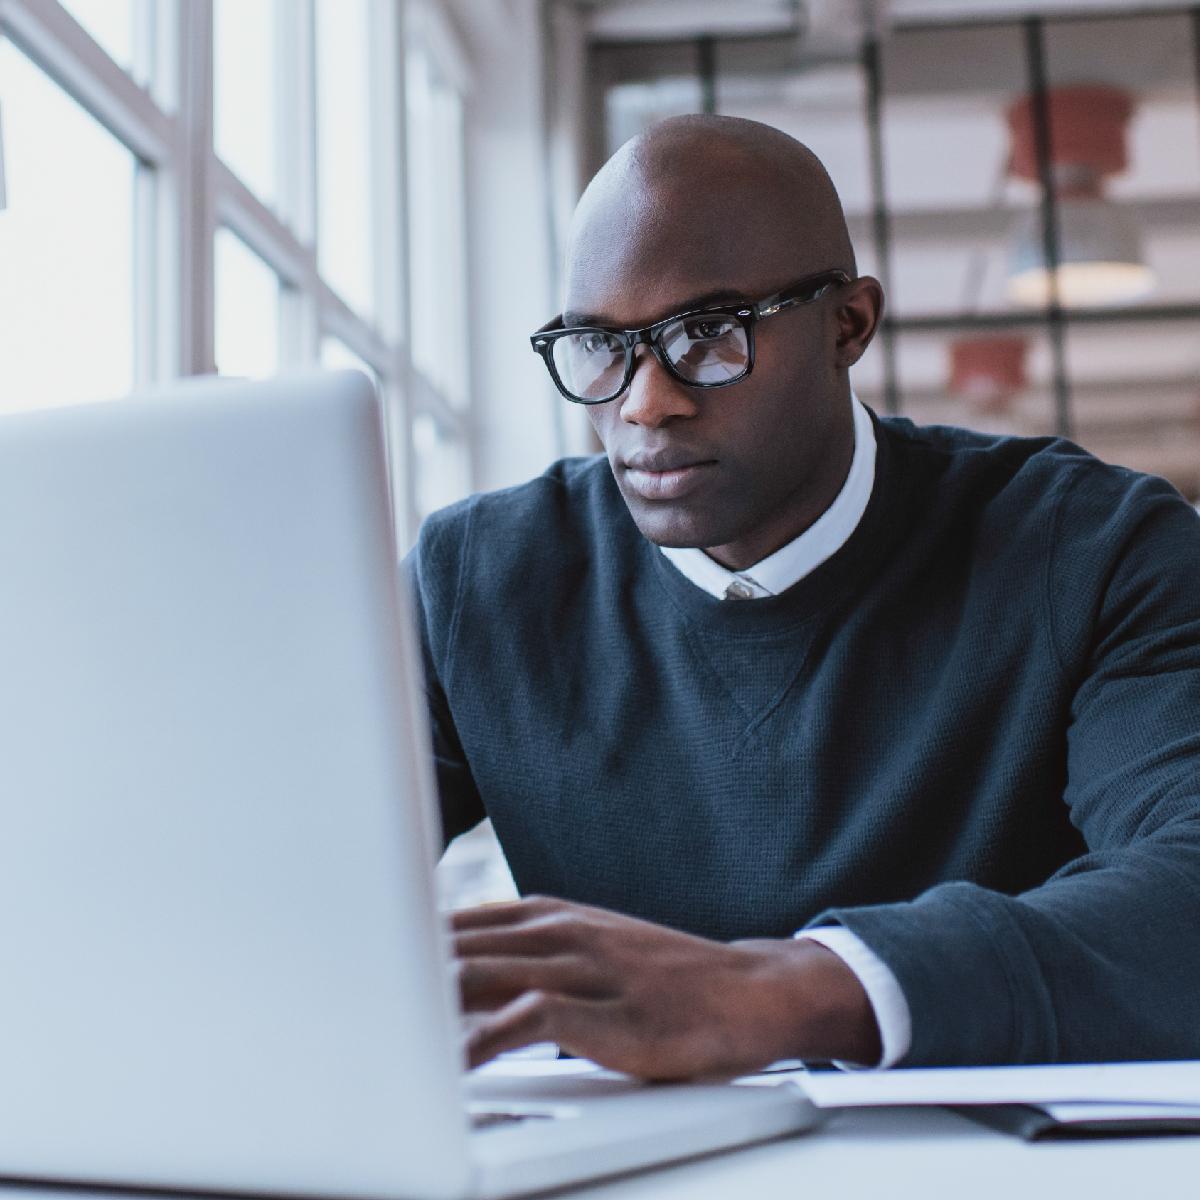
(705, 348)
(590, 364)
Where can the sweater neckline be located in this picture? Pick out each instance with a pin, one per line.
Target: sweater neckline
(859, 557)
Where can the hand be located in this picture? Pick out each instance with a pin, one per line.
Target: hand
(648, 1000)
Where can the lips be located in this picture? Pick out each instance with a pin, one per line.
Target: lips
(665, 475)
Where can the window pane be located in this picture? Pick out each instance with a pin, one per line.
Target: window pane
(336, 355)
(442, 472)
(110, 22)
(436, 229)
(958, 215)
(247, 310)
(245, 36)
(66, 247)
(344, 150)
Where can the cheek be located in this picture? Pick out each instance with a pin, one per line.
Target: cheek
(800, 352)
(601, 418)
(766, 444)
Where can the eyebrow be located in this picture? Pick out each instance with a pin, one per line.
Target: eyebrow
(720, 296)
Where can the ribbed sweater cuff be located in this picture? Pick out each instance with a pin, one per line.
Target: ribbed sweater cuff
(973, 985)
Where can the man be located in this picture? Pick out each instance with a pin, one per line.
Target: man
(779, 663)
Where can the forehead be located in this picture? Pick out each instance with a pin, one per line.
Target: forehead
(643, 253)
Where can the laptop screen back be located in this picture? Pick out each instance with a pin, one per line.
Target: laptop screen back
(221, 960)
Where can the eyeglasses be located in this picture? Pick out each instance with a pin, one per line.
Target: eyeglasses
(705, 348)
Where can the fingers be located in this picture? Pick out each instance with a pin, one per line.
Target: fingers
(487, 983)
(509, 912)
(537, 926)
(538, 1016)
(534, 940)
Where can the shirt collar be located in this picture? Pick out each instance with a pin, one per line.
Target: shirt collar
(821, 540)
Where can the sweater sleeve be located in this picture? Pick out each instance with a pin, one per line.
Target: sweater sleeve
(1102, 961)
(432, 571)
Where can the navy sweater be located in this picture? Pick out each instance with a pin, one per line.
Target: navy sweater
(972, 736)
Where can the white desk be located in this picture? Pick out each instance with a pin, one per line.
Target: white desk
(926, 1154)
(871, 1154)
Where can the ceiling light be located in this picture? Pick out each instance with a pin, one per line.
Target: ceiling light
(1099, 253)
(1099, 246)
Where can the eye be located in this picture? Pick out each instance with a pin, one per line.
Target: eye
(595, 343)
(707, 328)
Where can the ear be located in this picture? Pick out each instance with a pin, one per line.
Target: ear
(860, 308)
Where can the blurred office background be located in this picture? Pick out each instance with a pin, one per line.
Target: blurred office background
(246, 186)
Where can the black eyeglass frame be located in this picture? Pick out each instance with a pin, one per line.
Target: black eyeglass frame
(803, 291)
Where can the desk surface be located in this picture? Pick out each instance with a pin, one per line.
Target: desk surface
(922, 1154)
(875, 1154)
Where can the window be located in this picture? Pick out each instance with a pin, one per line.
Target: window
(964, 203)
(143, 240)
(247, 306)
(442, 466)
(111, 23)
(66, 245)
(345, 163)
(436, 234)
(439, 313)
(245, 96)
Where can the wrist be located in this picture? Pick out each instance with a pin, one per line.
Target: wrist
(813, 1005)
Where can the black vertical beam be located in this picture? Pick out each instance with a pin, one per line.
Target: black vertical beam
(706, 72)
(1035, 52)
(880, 219)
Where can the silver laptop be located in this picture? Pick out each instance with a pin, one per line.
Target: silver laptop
(222, 964)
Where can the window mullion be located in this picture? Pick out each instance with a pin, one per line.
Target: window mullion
(299, 324)
(148, 307)
(261, 229)
(343, 323)
(53, 39)
(189, 221)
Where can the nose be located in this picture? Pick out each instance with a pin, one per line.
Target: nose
(654, 396)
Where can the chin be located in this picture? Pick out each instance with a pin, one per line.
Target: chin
(677, 528)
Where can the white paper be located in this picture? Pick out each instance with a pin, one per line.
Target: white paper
(1175, 1083)
(1073, 1114)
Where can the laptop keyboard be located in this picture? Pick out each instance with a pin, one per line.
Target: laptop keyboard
(491, 1120)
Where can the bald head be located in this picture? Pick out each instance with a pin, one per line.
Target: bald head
(729, 196)
(705, 217)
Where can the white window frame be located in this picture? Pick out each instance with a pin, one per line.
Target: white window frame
(188, 192)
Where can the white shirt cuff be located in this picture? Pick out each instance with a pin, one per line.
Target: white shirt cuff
(883, 991)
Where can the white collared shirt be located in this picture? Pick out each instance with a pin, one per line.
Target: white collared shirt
(769, 577)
